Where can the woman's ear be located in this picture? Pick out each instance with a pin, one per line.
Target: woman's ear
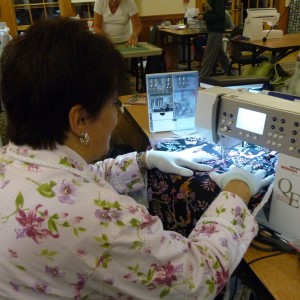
(78, 119)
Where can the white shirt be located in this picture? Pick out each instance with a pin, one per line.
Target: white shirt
(117, 25)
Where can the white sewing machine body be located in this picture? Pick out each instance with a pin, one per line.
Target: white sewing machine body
(254, 24)
(228, 117)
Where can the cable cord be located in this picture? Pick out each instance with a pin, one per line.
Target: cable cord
(266, 256)
(265, 38)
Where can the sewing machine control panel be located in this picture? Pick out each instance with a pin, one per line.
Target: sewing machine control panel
(261, 125)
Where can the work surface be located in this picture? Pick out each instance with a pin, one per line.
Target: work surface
(142, 49)
(288, 40)
(183, 32)
(280, 47)
(139, 116)
(279, 274)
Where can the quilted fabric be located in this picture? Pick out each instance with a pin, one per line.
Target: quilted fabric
(180, 201)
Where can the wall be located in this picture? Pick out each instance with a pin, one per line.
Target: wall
(163, 7)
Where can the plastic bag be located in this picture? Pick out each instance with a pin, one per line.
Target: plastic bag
(280, 75)
(265, 69)
(293, 85)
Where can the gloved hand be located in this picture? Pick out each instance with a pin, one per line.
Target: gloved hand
(255, 180)
(176, 162)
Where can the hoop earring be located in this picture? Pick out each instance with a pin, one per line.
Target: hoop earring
(84, 138)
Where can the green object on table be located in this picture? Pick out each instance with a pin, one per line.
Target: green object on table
(124, 48)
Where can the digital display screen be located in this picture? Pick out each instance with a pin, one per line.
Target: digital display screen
(251, 120)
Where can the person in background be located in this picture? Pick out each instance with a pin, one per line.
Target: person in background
(68, 230)
(113, 17)
(215, 18)
(199, 42)
(119, 20)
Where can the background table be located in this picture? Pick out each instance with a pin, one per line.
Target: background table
(279, 48)
(280, 275)
(185, 35)
(142, 50)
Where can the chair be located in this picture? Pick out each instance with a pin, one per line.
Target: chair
(198, 44)
(155, 64)
(242, 54)
(152, 64)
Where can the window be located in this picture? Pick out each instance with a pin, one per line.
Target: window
(84, 9)
(29, 11)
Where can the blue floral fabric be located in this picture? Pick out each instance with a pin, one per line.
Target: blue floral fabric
(180, 201)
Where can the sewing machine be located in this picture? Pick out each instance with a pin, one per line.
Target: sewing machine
(227, 117)
(190, 16)
(254, 24)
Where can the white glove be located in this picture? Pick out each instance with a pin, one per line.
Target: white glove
(255, 180)
(176, 162)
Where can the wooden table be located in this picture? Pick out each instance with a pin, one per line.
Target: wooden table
(133, 126)
(279, 48)
(279, 275)
(143, 49)
(185, 35)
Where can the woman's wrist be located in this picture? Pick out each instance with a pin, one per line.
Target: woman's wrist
(239, 188)
(141, 161)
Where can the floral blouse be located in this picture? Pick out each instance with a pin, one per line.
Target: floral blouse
(67, 233)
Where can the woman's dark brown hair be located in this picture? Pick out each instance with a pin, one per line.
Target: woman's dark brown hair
(55, 65)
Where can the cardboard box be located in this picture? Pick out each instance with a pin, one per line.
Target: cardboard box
(285, 206)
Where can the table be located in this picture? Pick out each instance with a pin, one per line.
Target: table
(279, 48)
(133, 126)
(279, 276)
(185, 35)
(143, 49)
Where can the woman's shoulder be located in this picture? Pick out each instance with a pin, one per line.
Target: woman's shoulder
(130, 6)
(128, 3)
(100, 5)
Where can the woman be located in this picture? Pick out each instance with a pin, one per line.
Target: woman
(66, 232)
(113, 17)
(215, 19)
